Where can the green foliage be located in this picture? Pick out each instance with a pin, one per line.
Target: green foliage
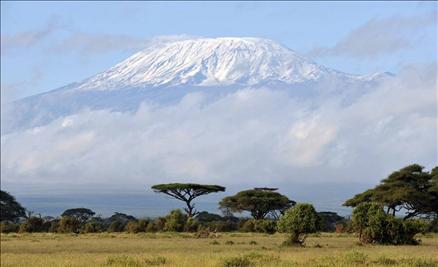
(32, 225)
(298, 222)
(259, 202)
(81, 214)
(191, 225)
(69, 224)
(410, 189)
(116, 226)
(247, 226)
(10, 209)
(137, 226)
(376, 226)
(187, 192)
(54, 225)
(93, 227)
(265, 226)
(175, 221)
(132, 227)
(329, 220)
(8, 227)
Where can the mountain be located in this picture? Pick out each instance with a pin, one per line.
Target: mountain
(166, 72)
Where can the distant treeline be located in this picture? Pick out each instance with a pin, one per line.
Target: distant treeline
(411, 191)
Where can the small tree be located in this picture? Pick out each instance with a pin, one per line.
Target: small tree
(298, 222)
(258, 201)
(10, 209)
(187, 193)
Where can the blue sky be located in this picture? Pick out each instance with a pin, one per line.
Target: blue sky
(46, 45)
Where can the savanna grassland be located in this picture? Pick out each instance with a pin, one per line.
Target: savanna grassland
(184, 249)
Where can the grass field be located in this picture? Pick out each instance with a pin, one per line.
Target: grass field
(232, 249)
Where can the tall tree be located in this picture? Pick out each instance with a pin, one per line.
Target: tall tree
(187, 193)
(410, 189)
(10, 209)
(258, 201)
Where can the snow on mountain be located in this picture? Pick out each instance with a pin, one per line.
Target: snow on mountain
(166, 72)
(209, 62)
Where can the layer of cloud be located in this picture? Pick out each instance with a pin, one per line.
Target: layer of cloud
(250, 137)
(380, 36)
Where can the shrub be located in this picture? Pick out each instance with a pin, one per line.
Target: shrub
(32, 225)
(159, 224)
(93, 227)
(265, 226)
(69, 224)
(299, 221)
(8, 227)
(142, 225)
(132, 227)
(116, 226)
(247, 226)
(376, 226)
(54, 225)
(191, 225)
(175, 221)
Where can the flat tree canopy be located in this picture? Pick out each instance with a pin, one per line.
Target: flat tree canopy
(187, 192)
(82, 214)
(410, 189)
(258, 201)
(10, 209)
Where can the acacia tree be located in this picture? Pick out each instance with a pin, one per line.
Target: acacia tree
(187, 193)
(258, 201)
(81, 214)
(10, 209)
(410, 189)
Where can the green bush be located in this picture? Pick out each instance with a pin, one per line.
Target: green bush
(54, 225)
(247, 226)
(375, 226)
(32, 225)
(116, 226)
(93, 227)
(142, 225)
(8, 227)
(191, 225)
(299, 221)
(69, 224)
(159, 224)
(175, 221)
(132, 227)
(265, 226)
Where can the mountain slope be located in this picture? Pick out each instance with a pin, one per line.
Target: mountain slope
(166, 72)
(209, 62)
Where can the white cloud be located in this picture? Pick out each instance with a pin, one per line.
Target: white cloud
(250, 137)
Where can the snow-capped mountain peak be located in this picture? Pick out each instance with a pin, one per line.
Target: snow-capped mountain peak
(208, 62)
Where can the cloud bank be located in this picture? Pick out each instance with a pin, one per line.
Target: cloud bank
(247, 138)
